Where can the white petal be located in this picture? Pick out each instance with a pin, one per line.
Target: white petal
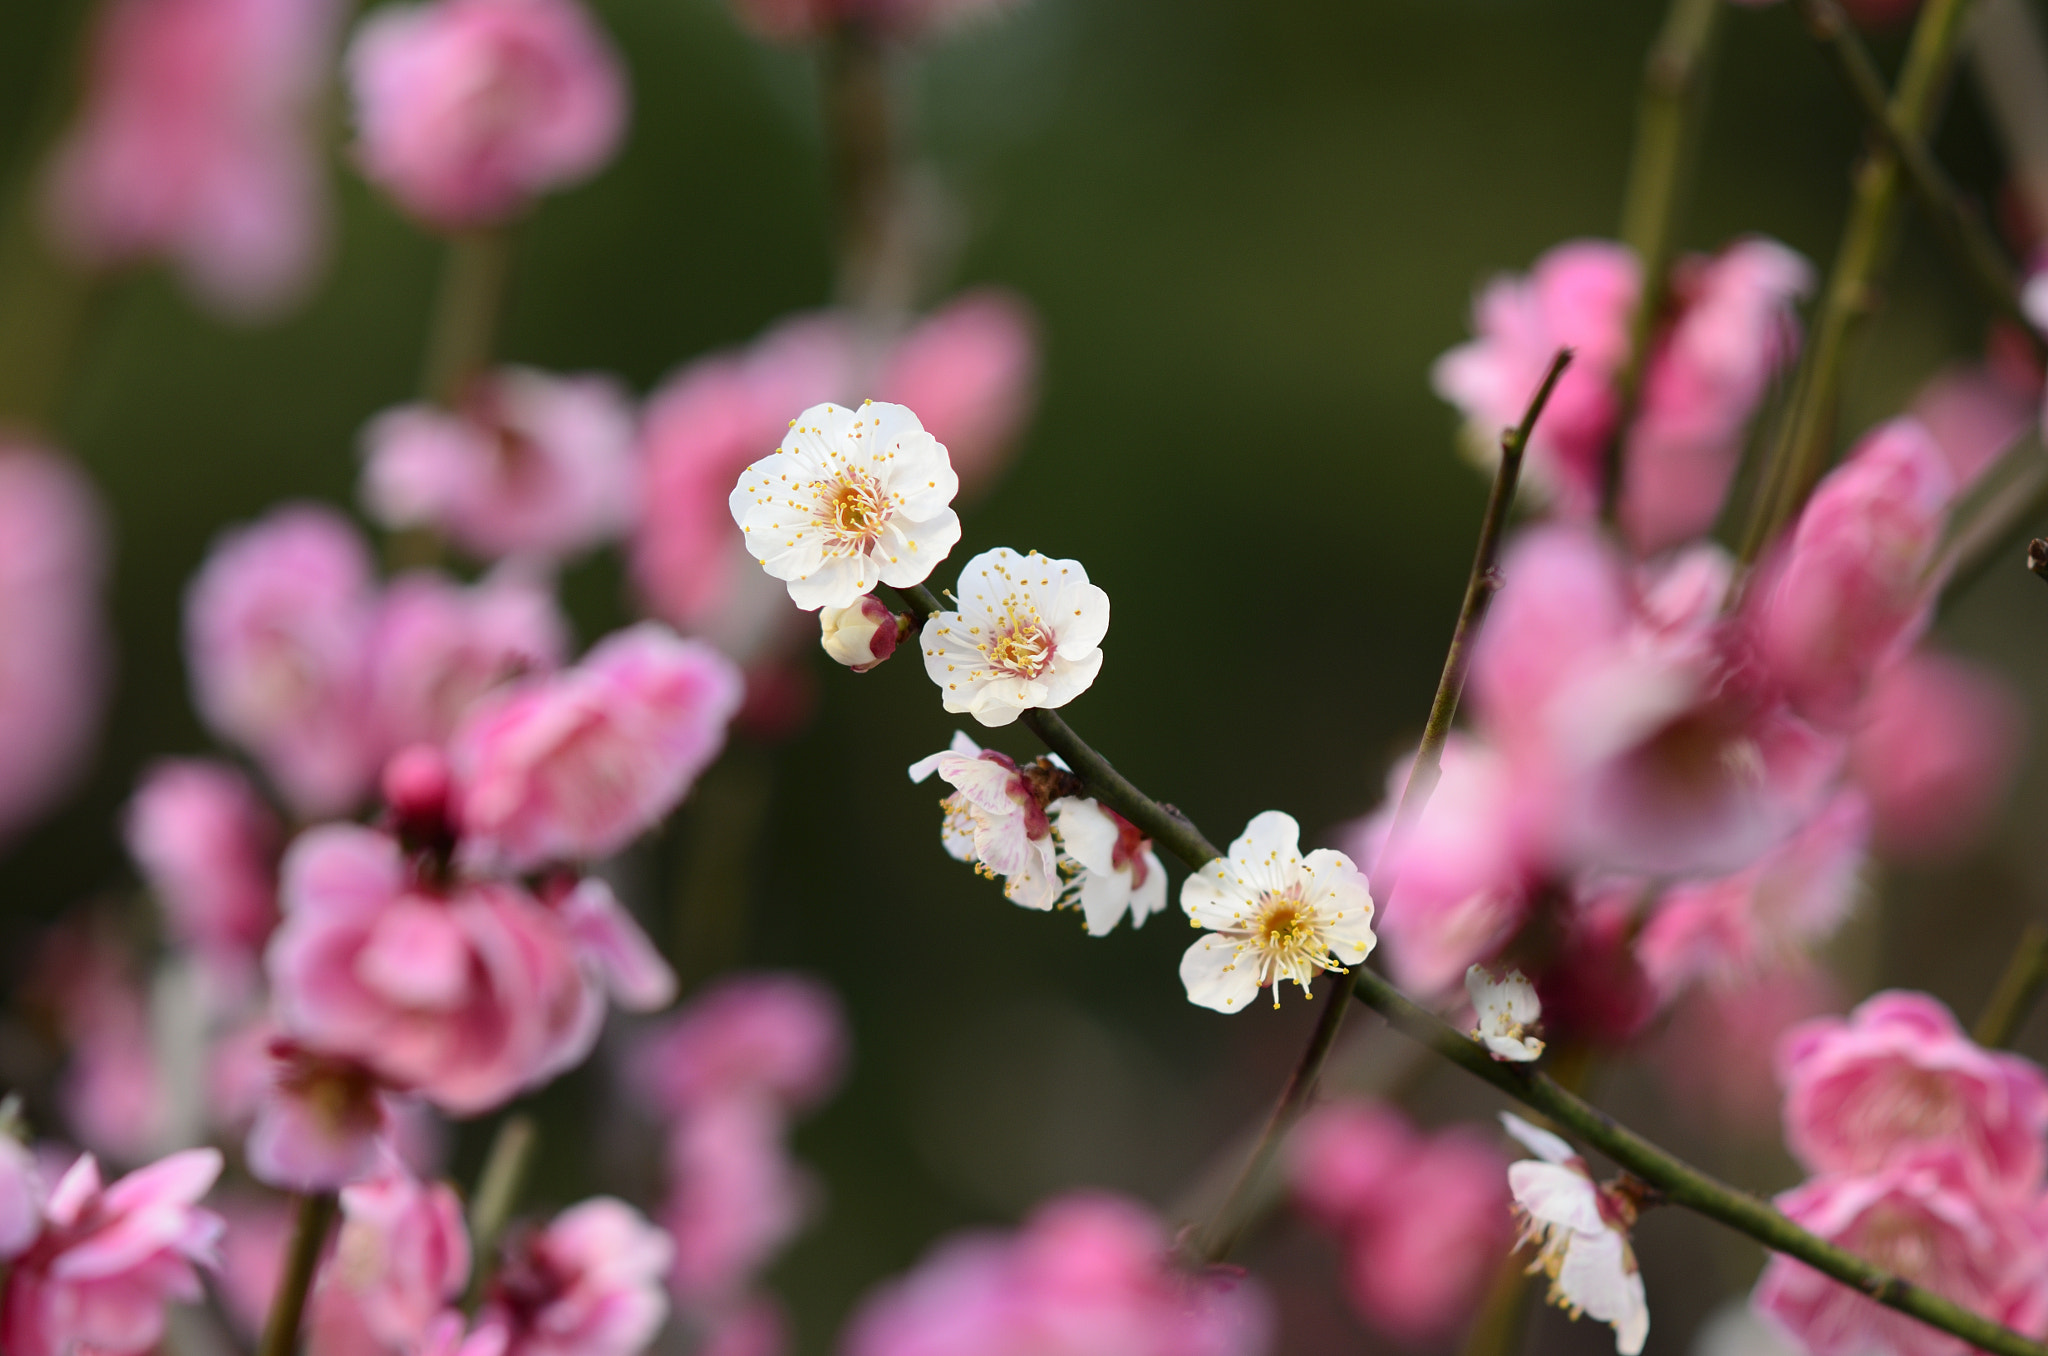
(1213, 977)
(1542, 1143)
(1556, 1195)
(926, 544)
(1514, 1049)
(1213, 898)
(1150, 897)
(1105, 897)
(1035, 884)
(1599, 1275)
(1271, 836)
(1086, 831)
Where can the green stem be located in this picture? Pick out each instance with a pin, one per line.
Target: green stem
(497, 1193)
(1800, 453)
(309, 1236)
(1667, 131)
(465, 322)
(2026, 974)
(1681, 1183)
(1959, 228)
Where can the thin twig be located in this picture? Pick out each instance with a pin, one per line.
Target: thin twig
(466, 309)
(497, 1193)
(1959, 228)
(1680, 1183)
(2008, 497)
(2026, 974)
(309, 1237)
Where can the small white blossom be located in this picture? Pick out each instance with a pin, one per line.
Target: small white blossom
(1581, 1233)
(852, 498)
(993, 821)
(1507, 1008)
(1273, 915)
(1114, 869)
(1028, 634)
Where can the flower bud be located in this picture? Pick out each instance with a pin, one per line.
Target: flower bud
(862, 635)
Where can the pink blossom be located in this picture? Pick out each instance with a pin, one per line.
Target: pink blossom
(1735, 330)
(1086, 1274)
(1935, 748)
(530, 463)
(1594, 988)
(401, 1257)
(466, 110)
(196, 143)
(464, 996)
(1581, 296)
(1899, 1073)
(53, 668)
(1714, 1054)
(1926, 1218)
(319, 1123)
(1765, 915)
(1342, 1158)
(112, 1093)
(277, 624)
(578, 764)
(21, 1197)
(1632, 715)
(1851, 591)
(1976, 412)
(450, 1336)
(969, 370)
(439, 646)
(780, 1038)
(735, 1199)
(588, 1284)
(110, 1258)
(1462, 878)
(207, 846)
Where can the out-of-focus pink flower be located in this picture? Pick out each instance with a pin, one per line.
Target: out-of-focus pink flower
(1715, 1052)
(1594, 987)
(1461, 879)
(464, 997)
(1899, 1073)
(1975, 412)
(1926, 1218)
(970, 371)
(467, 110)
(110, 1258)
(401, 1257)
(1085, 1274)
(1851, 590)
(277, 624)
(531, 464)
(449, 1335)
(207, 845)
(1631, 716)
(1735, 331)
(439, 646)
(588, 1284)
(1423, 1219)
(256, 1234)
(53, 666)
(735, 1199)
(21, 1197)
(112, 1093)
(577, 765)
(1765, 915)
(779, 1038)
(196, 144)
(320, 1122)
(1580, 296)
(800, 20)
(756, 1328)
(1935, 749)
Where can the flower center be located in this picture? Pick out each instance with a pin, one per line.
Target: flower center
(1024, 650)
(1906, 1104)
(1288, 936)
(1898, 1242)
(852, 509)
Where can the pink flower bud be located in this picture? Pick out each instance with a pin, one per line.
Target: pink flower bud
(418, 790)
(860, 636)
(466, 110)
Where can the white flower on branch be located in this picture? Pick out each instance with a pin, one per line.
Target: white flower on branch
(1272, 916)
(1580, 1230)
(1028, 634)
(1507, 1009)
(994, 821)
(1112, 866)
(851, 499)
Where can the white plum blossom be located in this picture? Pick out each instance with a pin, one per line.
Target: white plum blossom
(851, 499)
(860, 636)
(1581, 1233)
(1507, 1008)
(993, 821)
(1272, 916)
(1113, 868)
(1028, 634)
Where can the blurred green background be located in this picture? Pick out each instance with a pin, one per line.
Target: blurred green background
(1247, 228)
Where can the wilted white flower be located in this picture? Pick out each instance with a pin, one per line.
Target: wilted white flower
(993, 821)
(852, 498)
(1028, 634)
(1272, 915)
(1114, 869)
(1507, 1008)
(860, 636)
(1581, 1233)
